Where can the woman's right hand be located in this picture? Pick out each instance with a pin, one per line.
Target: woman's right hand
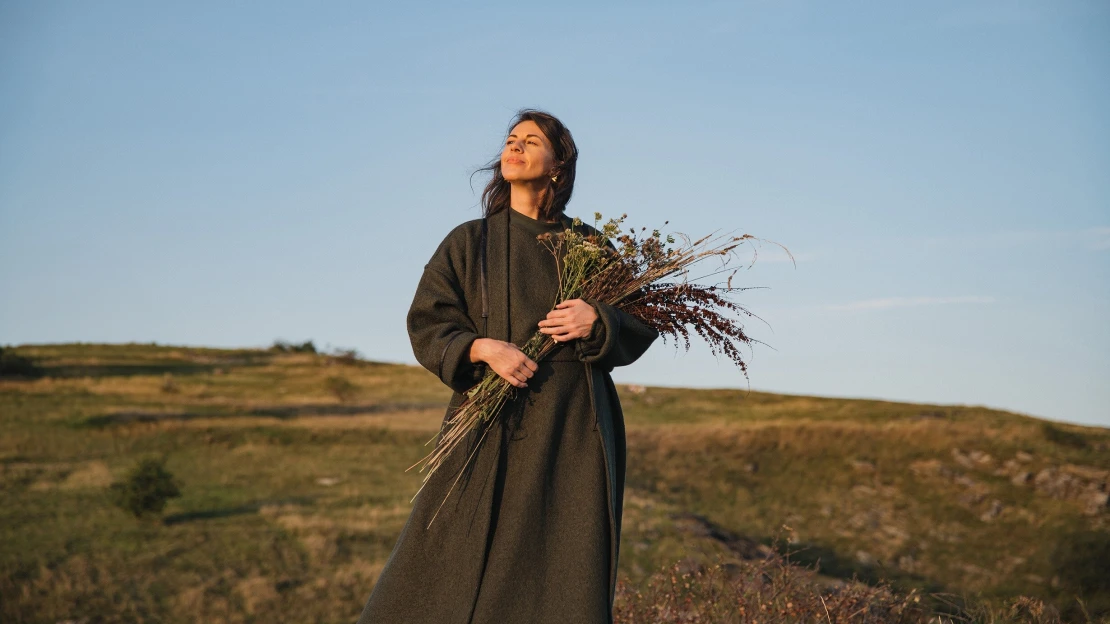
(504, 358)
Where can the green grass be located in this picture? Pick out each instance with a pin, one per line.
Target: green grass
(293, 494)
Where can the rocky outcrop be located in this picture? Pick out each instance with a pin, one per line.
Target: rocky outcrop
(1087, 486)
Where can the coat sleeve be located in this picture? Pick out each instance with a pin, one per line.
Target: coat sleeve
(439, 327)
(616, 339)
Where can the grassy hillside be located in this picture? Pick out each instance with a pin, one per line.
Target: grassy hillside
(291, 467)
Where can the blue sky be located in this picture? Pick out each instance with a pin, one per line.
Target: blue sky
(228, 174)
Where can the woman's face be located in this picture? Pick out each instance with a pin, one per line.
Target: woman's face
(527, 155)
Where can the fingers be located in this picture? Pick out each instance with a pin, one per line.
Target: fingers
(562, 334)
(557, 326)
(562, 330)
(515, 377)
(520, 370)
(555, 316)
(509, 362)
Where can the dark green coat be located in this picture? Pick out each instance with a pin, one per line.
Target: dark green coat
(434, 575)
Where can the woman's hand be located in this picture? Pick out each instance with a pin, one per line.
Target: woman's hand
(504, 358)
(570, 319)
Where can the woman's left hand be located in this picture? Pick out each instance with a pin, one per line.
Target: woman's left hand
(570, 319)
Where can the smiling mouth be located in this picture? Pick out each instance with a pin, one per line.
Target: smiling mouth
(514, 161)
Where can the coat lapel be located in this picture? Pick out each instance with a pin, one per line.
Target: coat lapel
(497, 254)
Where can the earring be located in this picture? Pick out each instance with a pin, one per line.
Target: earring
(554, 177)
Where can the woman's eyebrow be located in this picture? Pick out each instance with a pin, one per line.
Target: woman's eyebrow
(513, 136)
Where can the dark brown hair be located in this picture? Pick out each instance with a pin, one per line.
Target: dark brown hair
(553, 201)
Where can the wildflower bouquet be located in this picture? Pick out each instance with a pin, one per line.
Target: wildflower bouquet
(647, 276)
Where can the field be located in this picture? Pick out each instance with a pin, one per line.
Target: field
(291, 467)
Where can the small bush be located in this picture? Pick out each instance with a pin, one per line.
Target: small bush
(282, 346)
(341, 387)
(12, 365)
(146, 489)
(346, 357)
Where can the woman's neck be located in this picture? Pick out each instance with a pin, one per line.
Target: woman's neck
(525, 199)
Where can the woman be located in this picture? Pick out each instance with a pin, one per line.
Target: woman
(530, 533)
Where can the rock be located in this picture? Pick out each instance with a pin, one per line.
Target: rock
(980, 457)
(863, 490)
(1011, 466)
(895, 533)
(1023, 457)
(636, 389)
(1097, 502)
(906, 563)
(1088, 473)
(1054, 483)
(752, 467)
(962, 458)
(862, 465)
(993, 512)
(327, 481)
(866, 520)
(1022, 478)
(865, 558)
(965, 481)
(974, 570)
(926, 467)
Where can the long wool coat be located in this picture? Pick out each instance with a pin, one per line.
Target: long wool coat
(434, 574)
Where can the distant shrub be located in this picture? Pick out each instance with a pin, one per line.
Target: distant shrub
(169, 386)
(341, 387)
(146, 489)
(1063, 437)
(347, 357)
(285, 347)
(13, 365)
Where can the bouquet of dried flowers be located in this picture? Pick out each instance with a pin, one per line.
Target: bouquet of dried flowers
(647, 276)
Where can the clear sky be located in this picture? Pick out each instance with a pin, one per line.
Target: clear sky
(231, 173)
